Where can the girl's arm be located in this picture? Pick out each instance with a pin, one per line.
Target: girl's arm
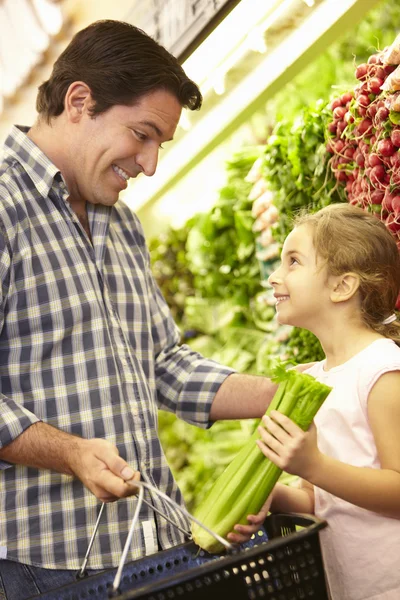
(377, 490)
(283, 498)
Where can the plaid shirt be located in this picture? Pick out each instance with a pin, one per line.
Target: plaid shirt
(87, 345)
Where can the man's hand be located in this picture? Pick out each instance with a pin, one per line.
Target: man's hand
(97, 464)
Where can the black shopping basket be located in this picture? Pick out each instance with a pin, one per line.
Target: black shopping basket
(282, 562)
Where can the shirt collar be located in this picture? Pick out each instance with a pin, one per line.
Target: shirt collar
(38, 166)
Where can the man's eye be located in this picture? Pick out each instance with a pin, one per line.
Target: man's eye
(141, 136)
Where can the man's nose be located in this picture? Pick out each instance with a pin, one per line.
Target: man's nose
(148, 161)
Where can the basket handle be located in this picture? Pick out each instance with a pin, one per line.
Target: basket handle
(143, 485)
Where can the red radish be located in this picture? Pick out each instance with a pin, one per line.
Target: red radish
(375, 85)
(339, 145)
(362, 111)
(389, 69)
(332, 127)
(336, 103)
(361, 71)
(377, 196)
(341, 126)
(386, 148)
(387, 201)
(339, 112)
(379, 73)
(374, 160)
(396, 205)
(382, 114)
(363, 101)
(360, 160)
(364, 126)
(340, 175)
(377, 175)
(330, 148)
(346, 97)
(395, 137)
(392, 224)
(349, 153)
(373, 59)
(395, 160)
(372, 110)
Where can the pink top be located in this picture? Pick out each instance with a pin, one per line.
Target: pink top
(361, 549)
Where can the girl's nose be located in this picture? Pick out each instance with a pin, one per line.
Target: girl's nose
(274, 279)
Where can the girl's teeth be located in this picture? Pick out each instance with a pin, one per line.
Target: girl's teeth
(120, 172)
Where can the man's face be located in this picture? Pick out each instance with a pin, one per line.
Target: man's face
(114, 146)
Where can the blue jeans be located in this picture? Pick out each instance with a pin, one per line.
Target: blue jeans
(20, 582)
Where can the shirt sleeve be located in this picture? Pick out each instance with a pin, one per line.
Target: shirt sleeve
(14, 418)
(186, 381)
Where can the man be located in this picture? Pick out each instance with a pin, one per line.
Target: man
(87, 345)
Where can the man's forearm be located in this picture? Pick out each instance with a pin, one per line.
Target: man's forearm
(242, 397)
(44, 447)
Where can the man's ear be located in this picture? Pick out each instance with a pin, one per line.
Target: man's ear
(78, 100)
(344, 287)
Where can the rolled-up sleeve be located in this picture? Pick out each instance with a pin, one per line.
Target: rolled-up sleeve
(14, 418)
(186, 381)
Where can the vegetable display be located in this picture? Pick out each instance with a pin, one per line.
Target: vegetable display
(249, 479)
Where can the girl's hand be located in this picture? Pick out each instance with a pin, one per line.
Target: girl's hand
(289, 447)
(243, 533)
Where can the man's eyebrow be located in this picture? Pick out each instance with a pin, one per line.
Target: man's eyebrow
(155, 128)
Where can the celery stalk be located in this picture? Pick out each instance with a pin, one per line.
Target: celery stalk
(249, 479)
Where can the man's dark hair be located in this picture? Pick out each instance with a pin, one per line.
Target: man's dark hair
(120, 63)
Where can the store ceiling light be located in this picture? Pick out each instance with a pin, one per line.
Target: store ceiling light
(280, 64)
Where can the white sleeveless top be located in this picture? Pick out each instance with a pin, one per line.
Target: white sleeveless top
(361, 549)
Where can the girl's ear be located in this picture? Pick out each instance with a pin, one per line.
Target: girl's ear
(344, 287)
(78, 100)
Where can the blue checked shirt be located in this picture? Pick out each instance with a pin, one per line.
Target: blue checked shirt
(87, 345)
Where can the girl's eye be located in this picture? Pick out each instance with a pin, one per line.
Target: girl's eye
(293, 261)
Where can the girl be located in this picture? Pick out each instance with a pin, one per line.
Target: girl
(339, 278)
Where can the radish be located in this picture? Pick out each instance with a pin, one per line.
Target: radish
(339, 112)
(387, 201)
(374, 160)
(345, 98)
(386, 148)
(341, 126)
(349, 153)
(361, 71)
(332, 127)
(396, 205)
(377, 175)
(377, 196)
(336, 103)
(375, 85)
(339, 145)
(382, 114)
(395, 160)
(360, 160)
(395, 137)
(362, 100)
(392, 224)
(364, 126)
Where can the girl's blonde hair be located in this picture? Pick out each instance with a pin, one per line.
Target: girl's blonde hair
(349, 239)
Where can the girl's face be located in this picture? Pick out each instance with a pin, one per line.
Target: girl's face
(301, 286)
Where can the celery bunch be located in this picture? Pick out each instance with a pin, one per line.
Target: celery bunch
(249, 479)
